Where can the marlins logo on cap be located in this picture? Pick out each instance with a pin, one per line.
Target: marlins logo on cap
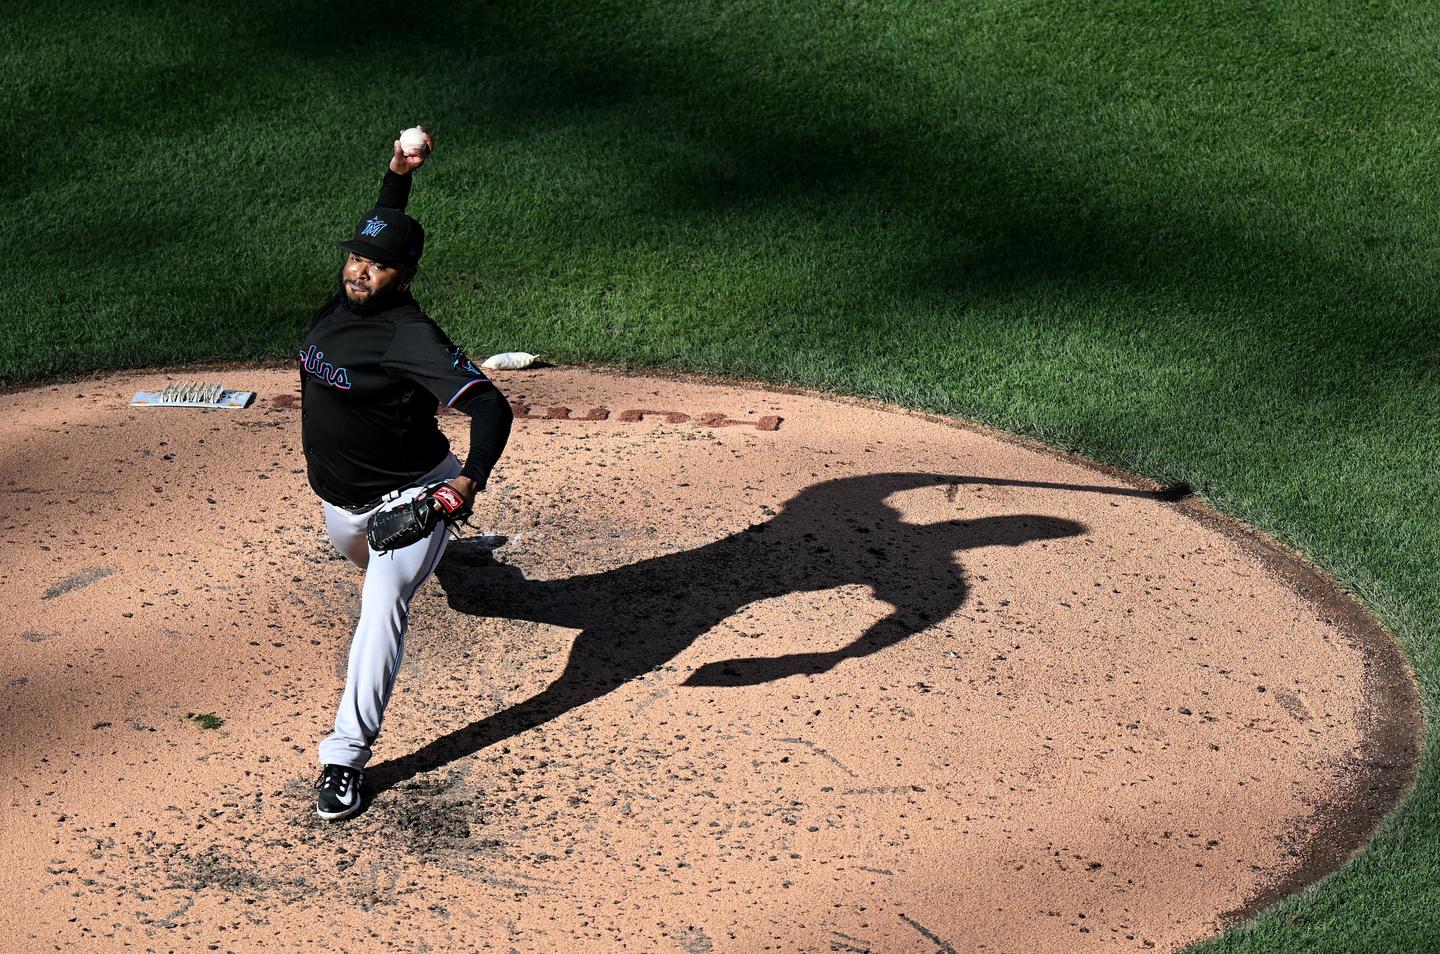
(389, 236)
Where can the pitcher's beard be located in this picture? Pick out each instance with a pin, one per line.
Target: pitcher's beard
(376, 303)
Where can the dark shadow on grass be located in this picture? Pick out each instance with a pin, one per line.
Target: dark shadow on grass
(638, 617)
(697, 126)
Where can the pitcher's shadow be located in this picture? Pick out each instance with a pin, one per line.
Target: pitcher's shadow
(637, 617)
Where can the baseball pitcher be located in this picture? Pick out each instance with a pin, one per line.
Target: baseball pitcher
(374, 369)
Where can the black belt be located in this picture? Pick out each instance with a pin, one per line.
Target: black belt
(361, 508)
(383, 498)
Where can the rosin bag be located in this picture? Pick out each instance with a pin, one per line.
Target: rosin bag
(509, 361)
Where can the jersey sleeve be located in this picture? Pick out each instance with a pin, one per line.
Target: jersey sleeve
(422, 353)
(394, 191)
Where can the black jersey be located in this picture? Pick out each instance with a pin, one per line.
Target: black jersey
(369, 389)
(371, 385)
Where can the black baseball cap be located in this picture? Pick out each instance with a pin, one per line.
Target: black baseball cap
(388, 236)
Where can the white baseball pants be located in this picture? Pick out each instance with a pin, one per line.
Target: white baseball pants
(391, 581)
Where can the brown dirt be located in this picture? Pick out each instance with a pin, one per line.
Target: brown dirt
(722, 669)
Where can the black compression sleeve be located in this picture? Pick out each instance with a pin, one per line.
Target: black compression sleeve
(490, 419)
(394, 191)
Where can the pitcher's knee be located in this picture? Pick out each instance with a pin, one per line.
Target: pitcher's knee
(384, 591)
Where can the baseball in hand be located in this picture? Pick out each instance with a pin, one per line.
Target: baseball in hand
(412, 142)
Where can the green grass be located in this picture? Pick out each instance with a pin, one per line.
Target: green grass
(205, 720)
(1192, 240)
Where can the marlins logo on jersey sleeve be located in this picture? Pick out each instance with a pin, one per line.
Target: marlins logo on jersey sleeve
(464, 365)
(422, 353)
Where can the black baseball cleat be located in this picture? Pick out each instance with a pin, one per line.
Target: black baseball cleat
(339, 787)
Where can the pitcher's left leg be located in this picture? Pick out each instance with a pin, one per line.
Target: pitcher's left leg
(391, 581)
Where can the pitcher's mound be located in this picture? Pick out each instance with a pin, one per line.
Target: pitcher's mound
(721, 669)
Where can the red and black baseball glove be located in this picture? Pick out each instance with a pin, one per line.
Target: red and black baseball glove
(412, 521)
